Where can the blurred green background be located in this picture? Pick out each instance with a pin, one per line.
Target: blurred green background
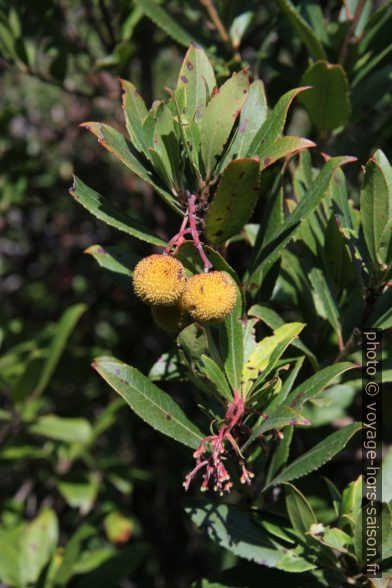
(105, 484)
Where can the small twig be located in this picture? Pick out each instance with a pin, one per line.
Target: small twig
(351, 30)
(195, 232)
(220, 27)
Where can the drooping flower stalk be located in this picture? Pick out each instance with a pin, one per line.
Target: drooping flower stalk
(212, 452)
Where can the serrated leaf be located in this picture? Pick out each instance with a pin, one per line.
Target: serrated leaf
(303, 29)
(219, 118)
(197, 79)
(259, 359)
(135, 111)
(150, 403)
(273, 320)
(317, 456)
(164, 21)
(71, 430)
(114, 142)
(63, 330)
(234, 200)
(271, 251)
(325, 301)
(316, 383)
(101, 209)
(280, 455)
(232, 345)
(217, 377)
(299, 510)
(252, 116)
(375, 203)
(328, 101)
(234, 529)
(114, 259)
(283, 147)
(265, 138)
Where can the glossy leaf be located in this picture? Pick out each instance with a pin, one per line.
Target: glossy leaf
(234, 200)
(71, 430)
(325, 301)
(328, 101)
(197, 78)
(283, 147)
(114, 142)
(303, 29)
(165, 22)
(101, 209)
(115, 260)
(376, 201)
(233, 529)
(220, 116)
(150, 403)
(232, 345)
(261, 355)
(280, 455)
(253, 115)
(135, 111)
(271, 251)
(317, 456)
(63, 330)
(217, 377)
(299, 510)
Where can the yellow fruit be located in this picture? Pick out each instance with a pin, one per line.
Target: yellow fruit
(170, 318)
(210, 297)
(159, 280)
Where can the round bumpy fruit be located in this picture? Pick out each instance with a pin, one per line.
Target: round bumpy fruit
(210, 297)
(159, 280)
(171, 318)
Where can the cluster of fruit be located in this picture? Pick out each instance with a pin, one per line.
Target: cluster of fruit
(160, 281)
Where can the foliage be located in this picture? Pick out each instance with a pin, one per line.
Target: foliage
(249, 158)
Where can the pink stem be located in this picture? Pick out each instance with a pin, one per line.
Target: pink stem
(195, 232)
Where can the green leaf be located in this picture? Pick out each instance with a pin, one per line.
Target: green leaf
(37, 545)
(98, 207)
(190, 257)
(317, 456)
(150, 403)
(217, 377)
(280, 455)
(273, 320)
(164, 21)
(197, 79)
(303, 29)
(220, 116)
(114, 259)
(76, 430)
(234, 200)
(375, 202)
(283, 147)
(72, 553)
(166, 145)
(193, 340)
(63, 330)
(325, 301)
(350, 506)
(316, 383)
(135, 111)
(10, 553)
(234, 529)
(282, 417)
(265, 138)
(328, 101)
(115, 143)
(299, 510)
(232, 345)
(239, 26)
(386, 490)
(260, 357)
(273, 248)
(253, 115)
(80, 491)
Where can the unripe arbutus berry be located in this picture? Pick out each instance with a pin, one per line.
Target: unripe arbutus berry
(159, 280)
(171, 318)
(210, 297)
